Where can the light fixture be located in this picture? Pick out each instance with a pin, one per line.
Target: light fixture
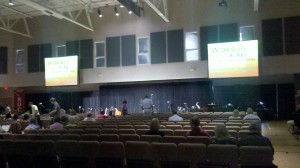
(99, 12)
(121, 6)
(223, 3)
(129, 11)
(10, 2)
(116, 11)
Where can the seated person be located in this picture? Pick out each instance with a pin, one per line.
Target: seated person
(175, 117)
(56, 125)
(64, 120)
(222, 136)
(251, 116)
(294, 124)
(154, 128)
(254, 138)
(25, 117)
(89, 117)
(196, 129)
(73, 120)
(235, 114)
(102, 115)
(32, 124)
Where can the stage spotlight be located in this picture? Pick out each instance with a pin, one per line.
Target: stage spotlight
(116, 11)
(10, 2)
(129, 11)
(223, 3)
(99, 12)
(121, 6)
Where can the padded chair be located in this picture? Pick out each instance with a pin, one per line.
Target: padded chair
(198, 139)
(30, 131)
(182, 123)
(256, 156)
(151, 138)
(174, 127)
(126, 131)
(44, 154)
(174, 139)
(181, 132)
(128, 137)
(191, 154)
(18, 137)
(245, 127)
(187, 127)
(167, 132)
(168, 123)
(44, 131)
(111, 155)
(211, 132)
(92, 131)
(63, 131)
(125, 127)
(52, 137)
(88, 151)
(243, 133)
(34, 137)
(89, 137)
(23, 124)
(6, 148)
(107, 126)
(124, 123)
(236, 128)
(69, 154)
(75, 137)
(234, 134)
(20, 155)
(75, 131)
(138, 154)
(165, 155)
(208, 127)
(141, 131)
(141, 127)
(222, 155)
(138, 123)
(109, 131)
(230, 123)
(109, 137)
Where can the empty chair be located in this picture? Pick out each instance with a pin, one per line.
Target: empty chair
(239, 124)
(124, 123)
(192, 153)
(243, 133)
(76, 127)
(92, 131)
(44, 154)
(168, 123)
(174, 127)
(126, 131)
(109, 126)
(90, 137)
(138, 123)
(44, 131)
(6, 149)
(215, 123)
(151, 138)
(141, 127)
(211, 132)
(182, 123)
(128, 137)
(181, 132)
(208, 127)
(256, 156)
(141, 131)
(138, 154)
(30, 131)
(75, 137)
(187, 127)
(18, 137)
(67, 151)
(88, 151)
(167, 132)
(198, 139)
(165, 155)
(125, 127)
(64, 131)
(111, 155)
(109, 137)
(34, 137)
(234, 133)
(20, 155)
(109, 131)
(245, 127)
(53, 137)
(236, 128)
(75, 131)
(174, 139)
(222, 155)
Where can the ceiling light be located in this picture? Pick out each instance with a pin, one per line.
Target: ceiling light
(121, 6)
(116, 11)
(129, 11)
(99, 12)
(223, 3)
(10, 2)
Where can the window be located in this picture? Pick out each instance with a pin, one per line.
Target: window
(61, 51)
(191, 46)
(20, 61)
(100, 54)
(247, 33)
(143, 51)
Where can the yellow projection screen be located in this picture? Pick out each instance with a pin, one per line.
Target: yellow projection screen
(61, 71)
(233, 59)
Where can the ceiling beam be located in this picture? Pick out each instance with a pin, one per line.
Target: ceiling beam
(9, 27)
(14, 10)
(53, 13)
(131, 6)
(163, 16)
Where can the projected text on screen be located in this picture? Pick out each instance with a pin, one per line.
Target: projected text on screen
(61, 71)
(233, 59)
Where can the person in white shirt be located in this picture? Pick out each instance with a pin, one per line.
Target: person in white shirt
(35, 112)
(89, 117)
(251, 116)
(147, 105)
(175, 117)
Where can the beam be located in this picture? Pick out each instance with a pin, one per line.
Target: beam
(8, 26)
(14, 10)
(256, 5)
(52, 13)
(165, 18)
(15, 32)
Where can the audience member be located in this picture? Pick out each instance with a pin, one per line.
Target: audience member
(222, 136)
(56, 125)
(72, 118)
(154, 128)
(254, 138)
(102, 115)
(251, 116)
(32, 124)
(175, 117)
(89, 117)
(196, 129)
(294, 125)
(8, 116)
(235, 114)
(64, 120)
(25, 117)
(15, 126)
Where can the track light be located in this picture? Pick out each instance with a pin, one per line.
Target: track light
(223, 3)
(116, 11)
(121, 6)
(99, 12)
(10, 2)
(130, 11)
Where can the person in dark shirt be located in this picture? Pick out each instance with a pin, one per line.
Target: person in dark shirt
(222, 136)
(196, 129)
(154, 128)
(124, 108)
(255, 138)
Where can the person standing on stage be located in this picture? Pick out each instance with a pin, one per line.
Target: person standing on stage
(56, 108)
(35, 112)
(124, 108)
(147, 105)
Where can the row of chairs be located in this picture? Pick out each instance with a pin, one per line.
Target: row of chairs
(132, 154)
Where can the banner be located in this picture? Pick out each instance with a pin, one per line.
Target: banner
(19, 100)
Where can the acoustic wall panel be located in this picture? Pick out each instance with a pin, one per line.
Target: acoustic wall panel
(292, 35)
(45, 52)
(33, 55)
(86, 54)
(175, 46)
(128, 50)
(158, 47)
(72, 48)
(272, 37)
(113, 51)
(3, 60)
(208, 34)
(228, 32)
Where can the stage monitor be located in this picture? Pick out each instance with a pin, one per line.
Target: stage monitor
(61, 71)
(233, 59)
